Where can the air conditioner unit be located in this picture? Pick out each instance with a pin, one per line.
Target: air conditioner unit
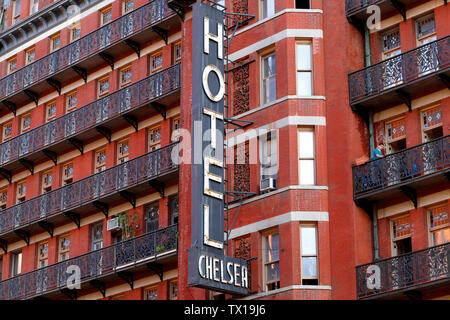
(268, 185)
(113, 224)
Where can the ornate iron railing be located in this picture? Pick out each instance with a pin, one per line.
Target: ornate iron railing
(403, 166)
(92, 114)
(400, 70)
(93, 265)
(90, 189)
(101, 38)
(407, 270)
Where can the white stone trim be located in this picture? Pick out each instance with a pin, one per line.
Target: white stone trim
(278, 220)
(284, 289)
(287, 33)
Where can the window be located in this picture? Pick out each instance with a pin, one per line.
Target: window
(173, 290)
(396, 135)
(55, 42)
(267, 8)
(12, 65)
(425, 30)
(302, 4)
(71, 101)
(105, 16)
(34, 6)
(432, 123)
(439, 224)
(269, 90)
(122, 151)
(42, 255)
(100, 160)
(156, 62)
(67, 173)
(306, 156)
(304, 69)
(173, 209)
(25, 123)
(401, 235)
(3, 198)
(271, 261)
(154, 138)
(151, 293)
(102, 86)
(152, 216)
(16, 263)
(177, 51)
(97, 236)
(7, 131)
(391, 43)
(50, 111)
(125, 76)
(269, 156)
(15, 12)
(308, 244)
(75, 32)
(30, 55)
(47, 179)
(64, 248)
(176, 126)
(21, 191)
(127, 6)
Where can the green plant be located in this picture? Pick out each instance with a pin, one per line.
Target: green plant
(127, 223)
(160, 248)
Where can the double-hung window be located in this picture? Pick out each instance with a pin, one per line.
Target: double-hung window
(306, 156)
(271, 261)
(309, 255)
(269, 80)
(267, 8)
(304, 69)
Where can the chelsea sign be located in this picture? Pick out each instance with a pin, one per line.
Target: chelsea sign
(208, 266)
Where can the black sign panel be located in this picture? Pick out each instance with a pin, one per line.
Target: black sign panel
(208, 267)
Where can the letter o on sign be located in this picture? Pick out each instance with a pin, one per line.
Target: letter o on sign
(219, 96)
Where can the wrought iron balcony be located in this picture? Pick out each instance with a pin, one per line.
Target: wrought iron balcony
(50, 13)
(356, 10)
(97, 192)
(123, 260)
(403, 171)
(125, 34)
(91, 121)
(406, 275)
(402, 78)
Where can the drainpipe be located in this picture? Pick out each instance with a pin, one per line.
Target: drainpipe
(367, 62)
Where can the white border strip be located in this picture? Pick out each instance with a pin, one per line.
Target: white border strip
(288, 121)
(293, 287)
(278, 220)
(288, 33)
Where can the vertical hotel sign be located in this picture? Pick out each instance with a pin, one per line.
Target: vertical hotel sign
(208, 266)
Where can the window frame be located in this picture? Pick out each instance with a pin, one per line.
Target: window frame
(263, 145)
(15, 17)
(99, 167)
(5, 126)
(3, 198)
(68, 98)
(124, 6)
(148, 288)
(266, 264)
(22, 121)
(394, 51)
(301, 71)
(152, 57)
(49, 106)
(46, 187)
(266, 99)
(77, 26)
(316, 255)
(28, 53)
(21, 185)
(123, 70)
(33, 3)
(104, 11)
(62, 253)
(65, 177)
(53, 38)
(170, 288)
(177, 44)
(419, 40)
(100, 81)
(153, 145)
(92, 235)
(438, 228)
(121, 156)
(10, 62)
(16, 263)
(39, 258)
(261, 9)
(313, 159)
